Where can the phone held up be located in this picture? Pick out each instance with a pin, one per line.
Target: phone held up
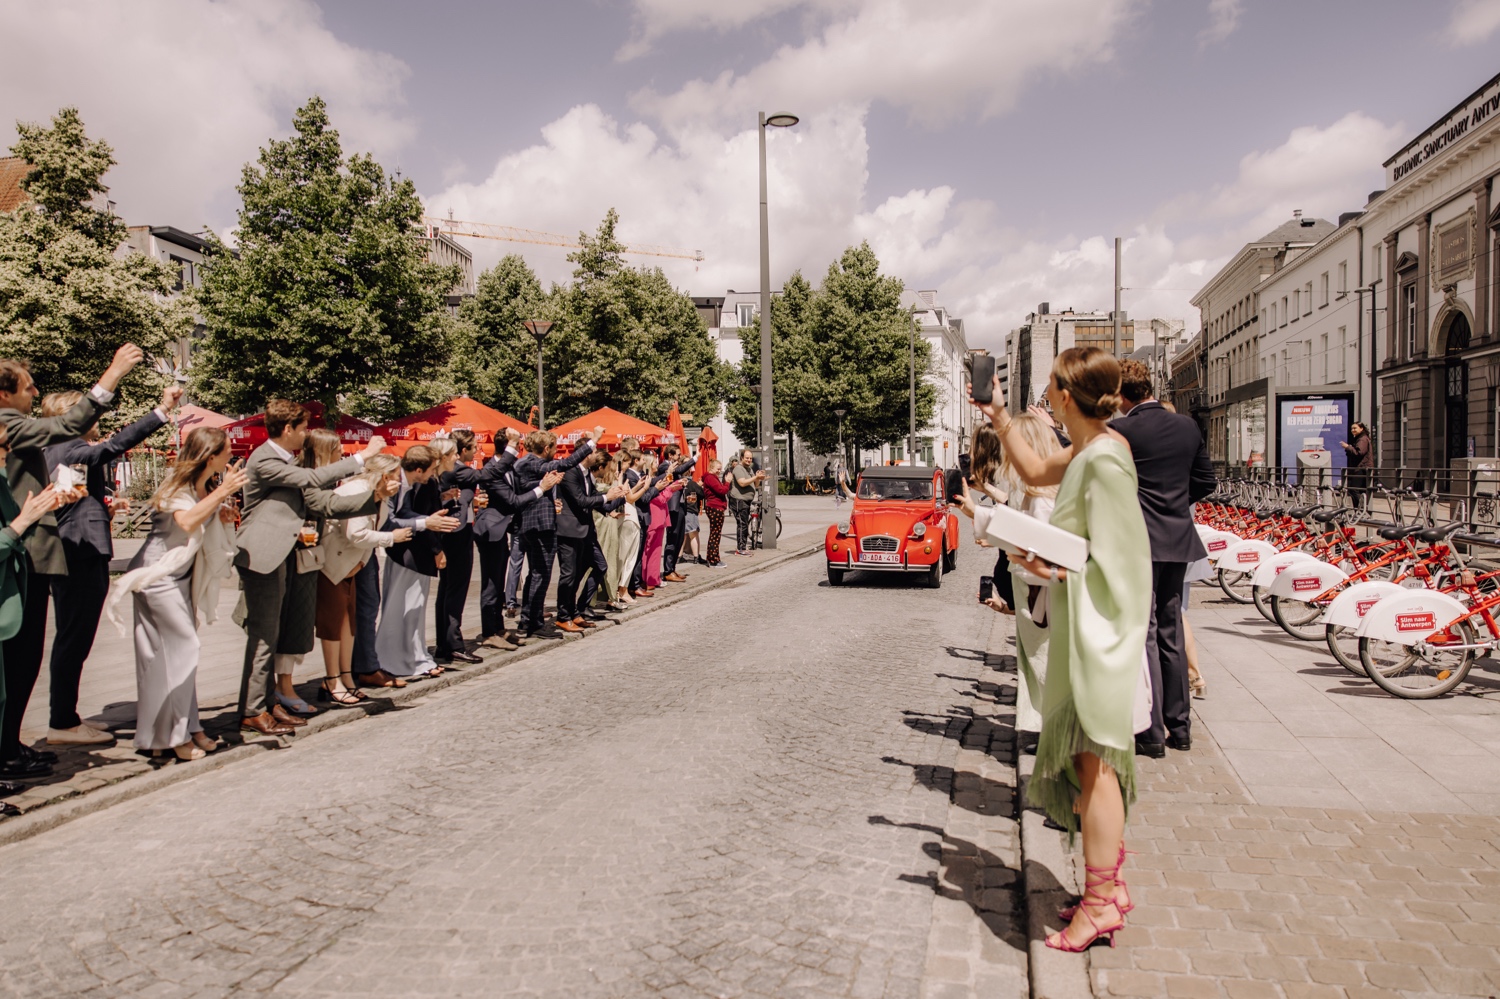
(982, 377)
(986, 588)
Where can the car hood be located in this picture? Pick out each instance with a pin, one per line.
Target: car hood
(894, 519)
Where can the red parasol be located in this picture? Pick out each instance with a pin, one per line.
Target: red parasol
(250, 433)
(708, 449)
(616, 425)
(458, 413)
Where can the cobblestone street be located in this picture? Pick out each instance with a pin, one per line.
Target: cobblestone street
(772, 789)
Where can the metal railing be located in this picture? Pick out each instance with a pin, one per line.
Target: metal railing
(1385, 495)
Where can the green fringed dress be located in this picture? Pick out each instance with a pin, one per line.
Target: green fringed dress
(1098, 625)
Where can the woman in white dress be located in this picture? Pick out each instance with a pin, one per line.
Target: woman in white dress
(174, 579)
(1031, 592)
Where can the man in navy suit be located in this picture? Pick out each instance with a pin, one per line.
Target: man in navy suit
(539, 523)
(578, 551)
(458, 548)
(1174, 472)
(497, 529)
(83, 528)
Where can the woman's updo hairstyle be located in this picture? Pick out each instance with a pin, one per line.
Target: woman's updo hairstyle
(1092, 377)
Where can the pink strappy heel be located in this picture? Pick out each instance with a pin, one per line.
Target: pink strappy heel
(1125, 906)
(1060, 941)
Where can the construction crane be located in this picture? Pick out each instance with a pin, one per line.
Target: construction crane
(514, 234)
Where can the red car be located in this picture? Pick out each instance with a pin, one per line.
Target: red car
(900, 523)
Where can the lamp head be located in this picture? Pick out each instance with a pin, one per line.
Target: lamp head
(840, 413)
(782, 120)
(538, 328)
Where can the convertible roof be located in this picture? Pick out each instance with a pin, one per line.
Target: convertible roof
(922, 472)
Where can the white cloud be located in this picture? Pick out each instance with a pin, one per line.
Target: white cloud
(937, 61)
(1223, 20)
(1473, 21)
(187, 90)
(656, 18)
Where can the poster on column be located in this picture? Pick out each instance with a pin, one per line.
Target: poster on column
(1310, 431)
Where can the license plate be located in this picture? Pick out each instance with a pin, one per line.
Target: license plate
(881, 557)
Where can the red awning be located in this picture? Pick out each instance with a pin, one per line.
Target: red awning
(250, 433)
(459, 413)
(616, 425)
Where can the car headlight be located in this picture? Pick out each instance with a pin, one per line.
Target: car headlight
(918, 529)
(843, 527)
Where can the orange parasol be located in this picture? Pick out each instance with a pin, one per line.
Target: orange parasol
(458, 413)
(708, 449)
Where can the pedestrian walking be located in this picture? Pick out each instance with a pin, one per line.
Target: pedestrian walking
(26, 470)
(1174, 472)
(84, 531)
(1085, 768)
(173, 581)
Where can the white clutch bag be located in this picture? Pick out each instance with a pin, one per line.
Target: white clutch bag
(1021, 534)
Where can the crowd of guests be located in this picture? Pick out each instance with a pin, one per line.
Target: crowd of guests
(1103, 653)
(299, 524)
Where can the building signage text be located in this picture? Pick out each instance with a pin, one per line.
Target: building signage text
(1445, 133)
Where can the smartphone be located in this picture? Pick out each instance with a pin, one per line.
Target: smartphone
(986, 588)
(982, 380)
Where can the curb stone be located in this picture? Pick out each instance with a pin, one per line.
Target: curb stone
(1050, 880)
(76, 805)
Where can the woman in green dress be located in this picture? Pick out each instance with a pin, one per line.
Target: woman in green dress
(1085, 767)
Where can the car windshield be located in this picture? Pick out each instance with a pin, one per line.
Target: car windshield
(895, 489)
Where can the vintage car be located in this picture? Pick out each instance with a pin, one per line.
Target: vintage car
(900, 522)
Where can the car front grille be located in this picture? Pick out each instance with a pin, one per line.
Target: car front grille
(879, 543)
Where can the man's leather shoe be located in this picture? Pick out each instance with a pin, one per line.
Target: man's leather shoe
(46, 756)
(497, 642)
(1182, 742)
(465, 657)
(584, 622)
(546, 631)
(285, 717)
(569, 627)
(673, 577)
(265, 724)
(8, 788)
(25, 768)
(1154, 750)
(514, 637)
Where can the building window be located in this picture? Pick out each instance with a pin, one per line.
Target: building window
(1377, 255)
(1409, 319)
(1323, 298)
(1283, 310)
(1323, 352)
(746, 313)
(1307, 362)
(1343, 352)
(925, 443)
(1307, 299)
(1296, 304)
(1343, 279)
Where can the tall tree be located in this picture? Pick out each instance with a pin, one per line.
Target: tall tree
(66, 302)
(857, 357)
(790, 354)
(494, 358)
(330, 295)
(629, 340)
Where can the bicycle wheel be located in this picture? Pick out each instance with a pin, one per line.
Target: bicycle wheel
(1298, 618)
(1261, 597)
(1236, 585)
(1418, 674)
(1344, 644)
(778, 522)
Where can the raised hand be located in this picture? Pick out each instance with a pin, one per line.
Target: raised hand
(170, 397)
(376, 445)
(125, 360)
(234, 480)
(551, 479)
(512, 436)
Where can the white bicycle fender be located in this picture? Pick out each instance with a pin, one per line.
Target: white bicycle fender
(1217, 542)
(1408, 617)
(1244, 557)
(1351, 605)
(1270, 569)
(1307, 579)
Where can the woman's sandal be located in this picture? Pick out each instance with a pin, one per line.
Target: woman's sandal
(1060, 941)
(350, 687)
(337, 694)
(1122, 891)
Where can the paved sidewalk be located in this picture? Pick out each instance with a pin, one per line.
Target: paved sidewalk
(1322, 839)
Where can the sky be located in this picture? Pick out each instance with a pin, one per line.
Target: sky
(988, 149)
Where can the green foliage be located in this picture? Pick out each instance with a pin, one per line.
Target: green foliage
(622, 337)
(330, 296)
(846, 345)
(66, 302)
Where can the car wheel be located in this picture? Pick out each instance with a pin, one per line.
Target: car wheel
(935, 575)
(835, 576)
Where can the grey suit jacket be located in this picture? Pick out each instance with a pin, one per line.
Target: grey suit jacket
(280, 496)
(27, 469)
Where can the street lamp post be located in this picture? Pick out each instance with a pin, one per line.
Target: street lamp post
(539, 329)
(911, 441)
(840, 414)
(767, 427)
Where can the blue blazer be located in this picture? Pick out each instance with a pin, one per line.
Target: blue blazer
(84, 526)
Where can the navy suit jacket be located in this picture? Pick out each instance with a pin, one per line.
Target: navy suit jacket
(497, 479)
(529, 471)
(1174, 470)
(84, 526)
(580, 498)
(420, 553)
